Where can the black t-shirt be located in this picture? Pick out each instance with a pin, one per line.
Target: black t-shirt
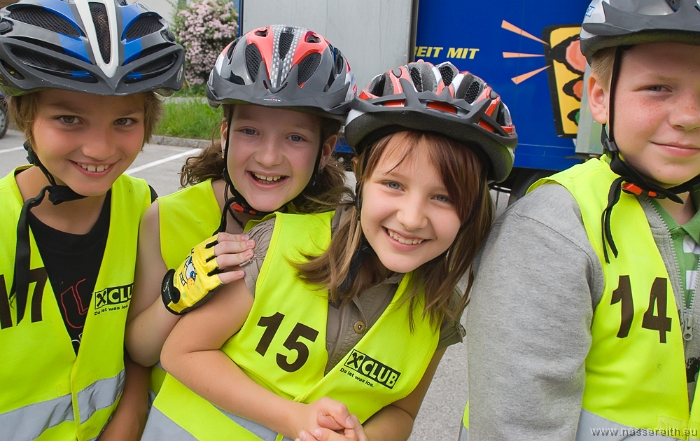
(72, 263)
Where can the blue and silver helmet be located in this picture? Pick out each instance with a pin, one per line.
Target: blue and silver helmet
(102, 47)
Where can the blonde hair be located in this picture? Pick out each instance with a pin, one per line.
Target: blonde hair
(464, 176)
(23, 109)
(602, 65)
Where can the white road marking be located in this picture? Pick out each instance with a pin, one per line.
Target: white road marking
(160, 161)
(14, 149)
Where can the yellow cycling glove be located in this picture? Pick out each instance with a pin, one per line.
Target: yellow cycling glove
(194, 281)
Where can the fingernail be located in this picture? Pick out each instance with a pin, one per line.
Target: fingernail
(349, 423)
(245, 237)
(317, 433)
(250, 243)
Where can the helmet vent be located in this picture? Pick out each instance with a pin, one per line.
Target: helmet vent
(286, 39)
(40, 17)
(447, 75)
(51, 66)
(378, 87)
(156, 67)
(308, 66)
(99, 18)
(144, 25)
(252, 60)
(312, 38)
(674, 4)
(339, 62)
(417, 79)
(261, 33)
(472, 92)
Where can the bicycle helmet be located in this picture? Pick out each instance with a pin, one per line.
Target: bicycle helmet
(420, 96)
(102, 47)
(280, 66)
(611, 23)
(283, 66)
(620, 24)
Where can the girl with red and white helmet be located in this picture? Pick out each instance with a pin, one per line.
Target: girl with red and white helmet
(338, 333)
(285, 92)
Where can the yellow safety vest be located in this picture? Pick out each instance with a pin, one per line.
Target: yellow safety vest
(635, 370)
(385, 366)
(49, 393)
(186, 218)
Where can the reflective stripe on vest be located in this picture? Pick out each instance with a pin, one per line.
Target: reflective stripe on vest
(48, 391)
(164, 428)
(635, 368)
(20, 424)
(374, 374)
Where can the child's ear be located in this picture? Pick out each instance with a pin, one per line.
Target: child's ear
(327, 150)
(598, 99)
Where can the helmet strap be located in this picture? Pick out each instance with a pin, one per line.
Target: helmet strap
(236, 202)
(629, 180)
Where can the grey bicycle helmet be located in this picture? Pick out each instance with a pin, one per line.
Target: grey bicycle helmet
(611, 23)
(283, 66)
(442, 99)
(102, 47)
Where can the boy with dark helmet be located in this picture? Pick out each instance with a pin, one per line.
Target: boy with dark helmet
(581, 324)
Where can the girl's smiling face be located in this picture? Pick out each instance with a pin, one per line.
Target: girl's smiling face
(407, 215)
(272, 153)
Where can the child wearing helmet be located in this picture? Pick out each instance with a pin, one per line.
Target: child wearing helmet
(315, 344)
(285, 92)
(599, 262)
(84, 97)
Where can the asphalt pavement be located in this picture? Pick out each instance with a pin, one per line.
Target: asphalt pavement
(159, 164)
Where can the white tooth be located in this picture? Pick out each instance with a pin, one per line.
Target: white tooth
(101, 168)
(403, 240)
(92, 168)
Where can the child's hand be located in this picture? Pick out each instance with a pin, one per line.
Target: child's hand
(231, 251)
(323, 413)
(353, 433)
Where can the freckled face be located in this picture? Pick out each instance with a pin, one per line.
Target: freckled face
(657, 110)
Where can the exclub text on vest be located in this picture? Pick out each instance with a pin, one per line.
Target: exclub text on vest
(112, 299)
(370, 369)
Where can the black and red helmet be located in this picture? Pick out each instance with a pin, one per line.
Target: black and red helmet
(283, 66)
(420, 96)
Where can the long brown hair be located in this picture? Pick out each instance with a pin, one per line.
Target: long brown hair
(210, 164)
(464, 176)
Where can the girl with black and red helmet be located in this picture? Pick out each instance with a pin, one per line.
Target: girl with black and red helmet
(342, 319)
(82, 78)
(285, 91)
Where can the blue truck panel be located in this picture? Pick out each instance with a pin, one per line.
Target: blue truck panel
(528, 51)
